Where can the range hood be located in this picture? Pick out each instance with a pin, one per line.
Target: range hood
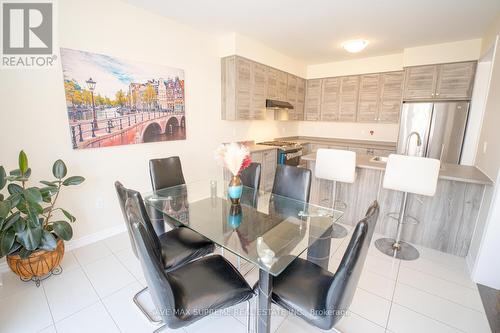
(275, 104)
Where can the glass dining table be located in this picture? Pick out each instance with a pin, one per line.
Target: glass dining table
(264, 229)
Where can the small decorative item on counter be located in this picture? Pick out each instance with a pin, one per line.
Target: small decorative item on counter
(235, 158)
(235, 216)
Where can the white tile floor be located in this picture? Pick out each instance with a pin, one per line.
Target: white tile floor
(94, 294)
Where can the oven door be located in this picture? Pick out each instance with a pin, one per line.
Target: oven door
(290, 157)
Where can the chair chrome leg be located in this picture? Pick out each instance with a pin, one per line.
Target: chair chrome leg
(159, 329)
(143, 310)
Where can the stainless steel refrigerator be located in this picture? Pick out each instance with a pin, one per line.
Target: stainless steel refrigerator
(441, 127)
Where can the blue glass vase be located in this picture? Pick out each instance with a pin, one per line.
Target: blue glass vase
(235, 189)
(235, 216)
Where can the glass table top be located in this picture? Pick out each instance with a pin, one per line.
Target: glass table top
(265, 229)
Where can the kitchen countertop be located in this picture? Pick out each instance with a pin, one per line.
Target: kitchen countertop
(461, 173)
(385, 145)
(254, 148)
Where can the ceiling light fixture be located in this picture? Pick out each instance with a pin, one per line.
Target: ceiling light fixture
(355, 45)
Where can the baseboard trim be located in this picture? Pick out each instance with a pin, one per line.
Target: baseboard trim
(82, 241)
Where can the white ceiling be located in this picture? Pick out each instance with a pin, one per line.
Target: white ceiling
(312, 30)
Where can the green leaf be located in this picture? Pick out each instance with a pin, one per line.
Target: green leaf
(33, 220)
(3, 177)
(22, 207)
(14, 188)
(47, 183)
(15, 172)
(59, 169)
(19, 226)
(30, 238)
(63, 230)
(23, 162)
(25, 253)
(70, 217)
(27, 174)
(6, 240)
(1, 197)
(16, 246)
(4, 209)
(75, 180)
(32, 195)
(14, 200)
(11, 220)
(48, 242)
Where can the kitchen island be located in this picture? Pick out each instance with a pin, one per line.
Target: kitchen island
(446, 221)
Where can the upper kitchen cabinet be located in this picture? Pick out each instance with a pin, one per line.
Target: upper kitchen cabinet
(390, 97)
(348, 101)
(446, 81)
(295, 96)
(420, 82)
(455, 80)
(247, 84)
(330, 98)
(243, 89)
(369, 98)
(313, 99)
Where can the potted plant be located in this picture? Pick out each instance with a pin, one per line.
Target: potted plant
(32, 228)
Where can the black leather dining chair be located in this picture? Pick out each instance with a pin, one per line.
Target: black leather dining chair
(175, 247)
(318, 296)
(250, 176)
(292, 182)
(192, 291)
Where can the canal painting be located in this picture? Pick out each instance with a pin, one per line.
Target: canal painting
(112, 102)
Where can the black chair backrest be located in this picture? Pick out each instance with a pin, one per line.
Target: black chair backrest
(293, 182)
(166, 172)
(346, 278)
(158, 284)
(250, 176)
(125, 195)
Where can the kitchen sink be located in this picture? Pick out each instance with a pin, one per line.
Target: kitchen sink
(379, 159)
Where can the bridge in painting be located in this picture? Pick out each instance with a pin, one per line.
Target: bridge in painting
(131, 128)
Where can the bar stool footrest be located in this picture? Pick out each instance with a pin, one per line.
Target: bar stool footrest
(405, 251)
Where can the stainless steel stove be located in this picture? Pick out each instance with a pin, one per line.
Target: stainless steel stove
(289, 152)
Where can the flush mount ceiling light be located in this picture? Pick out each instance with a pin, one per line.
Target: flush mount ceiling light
(355, 45)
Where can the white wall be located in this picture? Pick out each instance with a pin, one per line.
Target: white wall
(483, 257)
(442, 53)
(33, 112)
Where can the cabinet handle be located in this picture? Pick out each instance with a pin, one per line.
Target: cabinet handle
(437, 94)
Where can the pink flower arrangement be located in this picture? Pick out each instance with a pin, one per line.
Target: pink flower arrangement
(233, 156)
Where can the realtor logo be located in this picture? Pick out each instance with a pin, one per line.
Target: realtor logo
(27, 38)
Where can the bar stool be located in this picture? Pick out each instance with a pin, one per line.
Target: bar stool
(407, 174)
(338, 166)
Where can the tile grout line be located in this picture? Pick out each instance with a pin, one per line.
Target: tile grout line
(441, 297)
(99, 296)
(48, 305)
(392, 298)
(431, 318)
(441, 278)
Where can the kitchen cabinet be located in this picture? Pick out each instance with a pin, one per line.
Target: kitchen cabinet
(369, 98)
(390, 97)
(295, 96)
(330, 93)
(445, 81)
(247, 84)
(420, 82)
(348, 101)
(313, 99)
(455, 80)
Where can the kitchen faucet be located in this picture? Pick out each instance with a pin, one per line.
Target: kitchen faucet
(419, 142)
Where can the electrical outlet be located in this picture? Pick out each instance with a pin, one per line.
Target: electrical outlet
(485, 147)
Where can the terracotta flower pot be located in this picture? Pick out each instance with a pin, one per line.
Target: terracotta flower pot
(38, 264)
